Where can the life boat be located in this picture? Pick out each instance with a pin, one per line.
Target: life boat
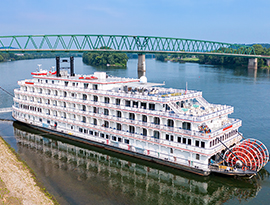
(81, 77)
(52, 72)
(40, 72)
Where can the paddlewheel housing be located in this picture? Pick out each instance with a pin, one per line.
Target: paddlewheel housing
(249, 154)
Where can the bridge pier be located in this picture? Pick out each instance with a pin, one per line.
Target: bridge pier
(141, 65)
(253, 63)
(267, 62)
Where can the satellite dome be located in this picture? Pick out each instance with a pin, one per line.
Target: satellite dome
(143, 79)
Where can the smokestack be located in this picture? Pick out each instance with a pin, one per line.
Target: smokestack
(72, 66)
(58, 66)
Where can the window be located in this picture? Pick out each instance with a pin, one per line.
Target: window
(167, 137)
(95, 110)
(113, 138)
(95, 98)
(144, 132)
(65, 94)
(119, 139)
(143, 105)
(131, 129)
(65, 105)
(106, 112)
(126, 141)
(170, 123)
(66, 83)
(171, 150)
(95, 121)
(156, 121)
(84, 119)
(197, 156)
(107, 100)
(118, 126)
(171, 137)
(203, 144)
(186, 125)
(91, 132)
(184, 140)
(135, 104)
(144, 118)
(80, 130)
(189, 141)
(84, 108)
(106, 124)
(102, 135)
(151, 106)
(84, 97)
(127, 103)
(156, 134)
(131, 116)
(119, 114)
(197, 143)
(85, 85)
(117, 101)
(95, 87)
(179, 139)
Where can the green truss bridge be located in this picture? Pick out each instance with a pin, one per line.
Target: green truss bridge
(123, 43)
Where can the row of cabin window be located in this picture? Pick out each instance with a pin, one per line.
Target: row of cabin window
(102, 135)
(32, 108)
(184, 140)
(222, 138)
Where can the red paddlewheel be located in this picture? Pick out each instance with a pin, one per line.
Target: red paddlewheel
(249, 153)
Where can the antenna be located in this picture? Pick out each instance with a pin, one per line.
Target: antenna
(39, 65)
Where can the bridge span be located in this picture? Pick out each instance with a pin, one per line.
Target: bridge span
(126, 44)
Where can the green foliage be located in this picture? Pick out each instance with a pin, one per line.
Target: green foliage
(105, 58)
(1, 58)
(161, 57)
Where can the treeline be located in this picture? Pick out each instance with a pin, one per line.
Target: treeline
(176, 57)
(105, 59)
(217, 60)
(24, 56)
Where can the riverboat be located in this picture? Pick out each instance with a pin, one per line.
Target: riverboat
(172, 127)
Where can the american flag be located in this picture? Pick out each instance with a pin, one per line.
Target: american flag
(186, 89)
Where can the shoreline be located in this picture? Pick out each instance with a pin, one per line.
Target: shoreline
(18, 184)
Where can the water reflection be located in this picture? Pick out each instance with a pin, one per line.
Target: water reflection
(77, 174)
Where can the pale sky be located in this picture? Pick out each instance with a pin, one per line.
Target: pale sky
(229, 21)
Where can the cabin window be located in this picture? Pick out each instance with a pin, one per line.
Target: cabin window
(95, 121)
(135, 104)
(179, 139)
(85, 131)
(118, 126)
(95, 87)
(131, 116)
(171, 137)
(96, 133)
(106, 124)
(107, 100)
(107, 136)
(189, 141)
(184, 140)
(131, 129)
(119, 114)
(119, 139)
(143, 105)
(127, 103)
(117, 101)
(144, 118)
(80, 130)
(65, 105)
(211, 144)
(65, 94)
(170, 123)
(84, 119)
(156, 121)
(203, 144)
(91, 132)
(197, 143)
(197, 156)
(144, 132)
(85, 85)
(95, 110)
(151, 106)
(186, 125)
(66, 83)
(106, 112)
(102, 135)
(113, 138)
(167, 137)
(126, 141)
(95, 98)
(171, 150)
(84, 108)
(84, 97)
(156, 134)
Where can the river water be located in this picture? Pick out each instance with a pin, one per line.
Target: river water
(79, 174)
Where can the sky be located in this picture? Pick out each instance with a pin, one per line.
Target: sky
(229, 21)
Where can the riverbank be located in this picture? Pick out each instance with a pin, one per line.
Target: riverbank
(17, 182)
